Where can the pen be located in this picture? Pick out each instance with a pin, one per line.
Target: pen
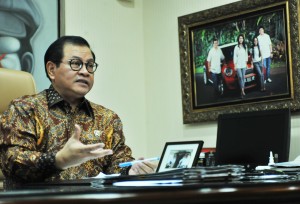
(126, 164)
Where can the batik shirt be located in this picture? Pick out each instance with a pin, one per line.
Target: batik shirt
(35, 128)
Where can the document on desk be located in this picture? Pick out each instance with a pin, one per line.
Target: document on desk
(287, 166)
(290, 164)
(174, 182)
(102, 175)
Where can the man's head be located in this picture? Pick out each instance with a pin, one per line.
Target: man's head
(55, 52)
(215, 42)
(261, 30)
(69, 64)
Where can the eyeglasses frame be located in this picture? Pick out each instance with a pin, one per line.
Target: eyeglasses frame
(82, 63)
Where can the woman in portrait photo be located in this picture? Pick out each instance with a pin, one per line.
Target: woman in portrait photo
(257, 63)
(240, 58)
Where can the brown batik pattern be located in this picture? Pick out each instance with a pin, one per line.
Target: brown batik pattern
(35, 128)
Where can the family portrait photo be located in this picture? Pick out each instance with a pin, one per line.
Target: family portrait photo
(241, 59)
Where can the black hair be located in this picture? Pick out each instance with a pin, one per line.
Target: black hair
(244, 44)
(55, 51)
(252, 53)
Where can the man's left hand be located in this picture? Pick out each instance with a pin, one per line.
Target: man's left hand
(145, 167)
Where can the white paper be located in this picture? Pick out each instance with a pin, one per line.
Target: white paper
(297, 159)
(290, 164)
(150, 183)
(102, 175)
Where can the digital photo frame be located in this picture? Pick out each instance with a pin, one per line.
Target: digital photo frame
(179, 155)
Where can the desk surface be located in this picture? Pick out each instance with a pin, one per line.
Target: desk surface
(278, 192)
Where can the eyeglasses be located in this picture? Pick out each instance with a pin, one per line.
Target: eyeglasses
(77, 64)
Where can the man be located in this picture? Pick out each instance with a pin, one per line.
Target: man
(58, 134)
(214, 58)
(265, 45)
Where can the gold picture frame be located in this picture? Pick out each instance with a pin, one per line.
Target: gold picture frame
(196, 30)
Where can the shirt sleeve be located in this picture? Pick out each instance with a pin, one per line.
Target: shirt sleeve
(222, 55)
(121, 152)
(209, 56)
(269, 41)
(246, 56)
(20, 158)
(235, 55)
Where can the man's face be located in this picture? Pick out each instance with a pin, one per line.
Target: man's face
(72, 85)
(261, 31)
(216, 43)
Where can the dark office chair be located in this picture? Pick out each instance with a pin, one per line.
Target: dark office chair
(14, 84)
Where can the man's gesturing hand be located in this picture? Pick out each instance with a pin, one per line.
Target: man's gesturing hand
(75, 153)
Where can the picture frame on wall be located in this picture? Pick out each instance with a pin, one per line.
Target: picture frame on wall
(178, 155)
(207, 93)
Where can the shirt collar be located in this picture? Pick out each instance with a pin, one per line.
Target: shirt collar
(54, 98)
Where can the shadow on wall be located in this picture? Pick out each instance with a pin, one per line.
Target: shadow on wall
(126, 3)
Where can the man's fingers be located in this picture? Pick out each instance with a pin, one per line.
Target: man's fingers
(77, 132)
(92, 147)
(152, 165)
(101, 152)
(144, 167)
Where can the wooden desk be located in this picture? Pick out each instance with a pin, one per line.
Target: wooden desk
(285, 192)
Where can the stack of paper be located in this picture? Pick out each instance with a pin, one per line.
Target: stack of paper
(176, 177)
(287, 166)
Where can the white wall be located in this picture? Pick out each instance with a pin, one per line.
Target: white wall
(162, 67)
(139, 77)
(115, 32)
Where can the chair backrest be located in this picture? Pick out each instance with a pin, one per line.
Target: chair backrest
(14, 84)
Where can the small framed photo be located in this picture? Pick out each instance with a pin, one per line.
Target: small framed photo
(179, 155)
